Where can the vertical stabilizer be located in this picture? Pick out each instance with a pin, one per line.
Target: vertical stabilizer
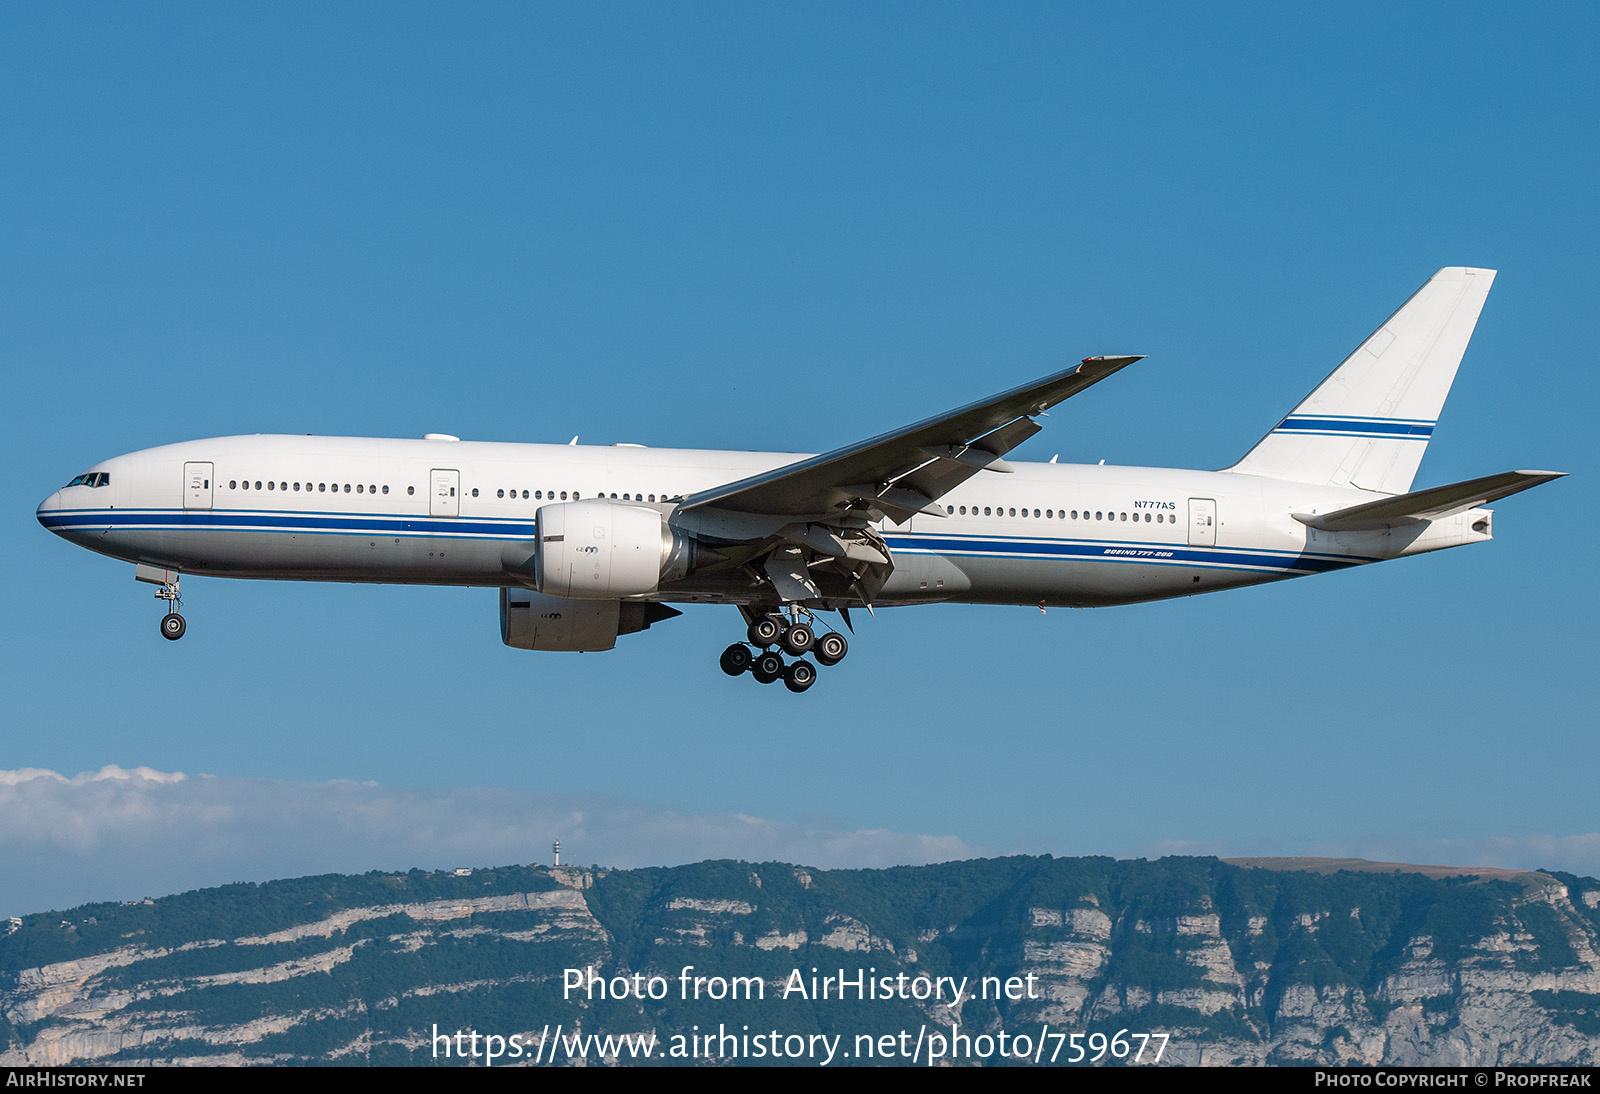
(1368, 424)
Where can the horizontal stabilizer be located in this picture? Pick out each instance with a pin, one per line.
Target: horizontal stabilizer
(1432, 504)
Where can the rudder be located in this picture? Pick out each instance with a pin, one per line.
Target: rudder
(1367, 425)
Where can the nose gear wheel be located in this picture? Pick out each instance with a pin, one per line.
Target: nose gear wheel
(172, 624)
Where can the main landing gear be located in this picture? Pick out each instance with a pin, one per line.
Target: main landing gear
(792, 636)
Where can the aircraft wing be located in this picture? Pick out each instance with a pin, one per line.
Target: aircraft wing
(1433, 503)
(902, 473)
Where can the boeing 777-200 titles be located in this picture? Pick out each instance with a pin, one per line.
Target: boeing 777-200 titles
(590, 543)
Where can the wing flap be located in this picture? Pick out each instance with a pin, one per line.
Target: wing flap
(786, 569)
(1434, 503)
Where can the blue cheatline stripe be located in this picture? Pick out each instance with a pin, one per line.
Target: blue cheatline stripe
(307, 523)
(1143, 553)
(1332, 425)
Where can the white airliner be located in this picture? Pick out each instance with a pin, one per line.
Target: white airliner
(589, 543)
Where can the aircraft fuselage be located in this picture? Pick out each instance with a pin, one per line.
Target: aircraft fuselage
(441, 512)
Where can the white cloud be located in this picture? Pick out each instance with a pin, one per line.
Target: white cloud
(118, 834)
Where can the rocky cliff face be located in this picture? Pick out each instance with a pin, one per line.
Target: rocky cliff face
(1236, 964)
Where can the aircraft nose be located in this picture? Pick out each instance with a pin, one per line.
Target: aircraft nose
(47, 510)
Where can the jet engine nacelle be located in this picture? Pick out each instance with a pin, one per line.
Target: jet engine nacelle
(599, 550)
(533, 621)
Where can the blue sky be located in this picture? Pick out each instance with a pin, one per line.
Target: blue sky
(752, 226)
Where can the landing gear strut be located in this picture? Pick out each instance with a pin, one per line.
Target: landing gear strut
(793, 636)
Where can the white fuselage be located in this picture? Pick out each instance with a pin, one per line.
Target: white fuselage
(444, 512)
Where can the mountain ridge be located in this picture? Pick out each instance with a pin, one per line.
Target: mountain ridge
(1324, 961)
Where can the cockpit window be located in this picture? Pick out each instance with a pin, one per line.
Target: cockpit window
(91, 478)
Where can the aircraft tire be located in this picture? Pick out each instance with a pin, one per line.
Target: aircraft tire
(765, 631)
(767, 668)
(798, 639)
(831, 648)
(172, 626)
(799, 676)
(736, 659)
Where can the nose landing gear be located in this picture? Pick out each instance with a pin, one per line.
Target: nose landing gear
(172, 624)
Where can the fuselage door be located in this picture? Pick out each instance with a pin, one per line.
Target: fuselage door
(445, 499)
(1202, 522)
(197, 486)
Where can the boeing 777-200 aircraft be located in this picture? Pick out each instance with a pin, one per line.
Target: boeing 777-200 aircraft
(590, 543)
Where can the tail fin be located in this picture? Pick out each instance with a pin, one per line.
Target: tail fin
(1367, 425)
